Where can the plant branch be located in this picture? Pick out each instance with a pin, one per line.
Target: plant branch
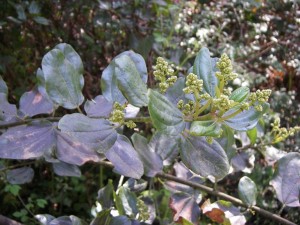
(219, 194)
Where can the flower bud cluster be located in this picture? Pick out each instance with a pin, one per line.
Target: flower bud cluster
(187, 108)
(163, 73)
(260, 97)
(118, 116)
(223, 103)
(281, 133)
(143, 210)
(193, 84)
(225, 67)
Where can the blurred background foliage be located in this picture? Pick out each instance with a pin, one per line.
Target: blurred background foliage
(262, 37)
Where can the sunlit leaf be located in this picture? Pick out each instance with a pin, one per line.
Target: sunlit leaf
(20, 176)
(205, 128)
(165, 116)
(127, 202)
(203, 158)
(135, 185)
(286, 181)
(247, 191)
(240, 94)
(205, 67)
(252, 135)
(62, 71)
(245, 120)
(243, 161)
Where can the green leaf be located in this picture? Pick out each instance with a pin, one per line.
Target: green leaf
(227, 141)
(165, 116)
(240, 94)
(126, 202)
(205, 128)
(286, 181)
(130, 82)
(13, 189)
(103, 218)
(203, 158)
(109, 84)
(151, 160)
(41, 20)
(204, 67)
(41, 203)
(245, 120)
(252, 135)
(247, 191)
(105, 195)
(62, 71)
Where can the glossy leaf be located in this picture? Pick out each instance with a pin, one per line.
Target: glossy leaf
(165, 116)
(62, 70)
(98, 134)
(44, 219)
(27, 141)
(205, 128)
(103, 218)
(224, 213)
(66, 220)
(130, 82)
(66, 169)
(20, 176)
(127, 202)
(203, 158)
(124, 220)
(98, 107)
(105, 195)
(286, 181)
(184, 206)
(243, 161)
(109, 84)
(272, 155)
(204, 68)
(247, 191)
(34, 103)
(165, 146)
(245, 120)
(240, 94)
(227, 141)
(151, 160)
(125, 159)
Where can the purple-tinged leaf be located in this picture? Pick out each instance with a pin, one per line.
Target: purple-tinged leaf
(286, 181)
(124, 220)
(175, 93)
(243, 161)
(151, 160)
(165, 146)
(125, 159)
(66, 169)
(184, 206)
(27, 141)
(98, 107)
(98, 134)
(203, 158)
(7, 111)
(223, 212)
(245, 120)
(272, 155)
(20, 176)
(33, 103)
(184, 173)
(72, 151)
(66, 220)
(135, 185)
